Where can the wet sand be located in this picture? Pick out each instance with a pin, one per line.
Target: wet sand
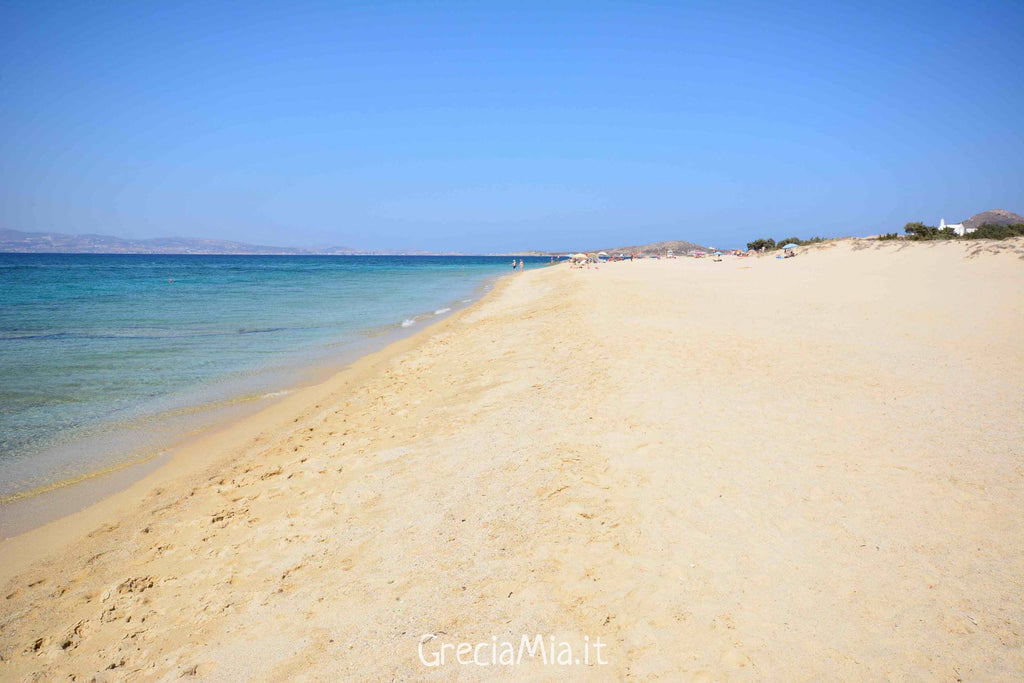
(799, 469)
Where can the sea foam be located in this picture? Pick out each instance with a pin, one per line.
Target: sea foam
(275, 394)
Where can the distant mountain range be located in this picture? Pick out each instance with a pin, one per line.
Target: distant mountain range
(15, 241)
(60, 243)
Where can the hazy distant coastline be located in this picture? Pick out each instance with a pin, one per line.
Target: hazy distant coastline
(20, 242)
(16, 241)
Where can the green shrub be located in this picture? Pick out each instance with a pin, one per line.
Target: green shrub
(992, 231)
(920, 231)
(800, 242)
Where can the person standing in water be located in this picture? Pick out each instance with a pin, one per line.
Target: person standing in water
(513, 264)
(521, 265)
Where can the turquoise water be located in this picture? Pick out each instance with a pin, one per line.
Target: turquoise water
(96, 346)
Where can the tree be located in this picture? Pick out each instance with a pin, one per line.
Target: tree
(757, 245)
(920, 231)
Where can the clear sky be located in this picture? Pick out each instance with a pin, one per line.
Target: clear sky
(490, 127)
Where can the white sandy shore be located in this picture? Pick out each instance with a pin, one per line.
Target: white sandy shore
(800, 469)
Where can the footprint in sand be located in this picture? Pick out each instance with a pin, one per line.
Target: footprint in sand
(734, 659)
(80, 631)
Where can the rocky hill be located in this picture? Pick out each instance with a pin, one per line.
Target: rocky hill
(679, 247)
(995, 217)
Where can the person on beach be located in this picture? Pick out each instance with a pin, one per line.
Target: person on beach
(513, 264)
(520, 265)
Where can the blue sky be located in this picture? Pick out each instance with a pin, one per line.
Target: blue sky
(489, 127)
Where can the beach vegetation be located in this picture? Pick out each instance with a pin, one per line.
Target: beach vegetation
(920, 231)
(769, 244)
(759, 244)
(992, 231)
(995, 231)
(800, 242)
(890, 236)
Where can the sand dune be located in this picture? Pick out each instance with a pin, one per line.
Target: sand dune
(757, 468)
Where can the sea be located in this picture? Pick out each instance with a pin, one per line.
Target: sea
(107, 360)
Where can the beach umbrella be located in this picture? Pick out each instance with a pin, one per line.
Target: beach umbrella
(790, 246)
(718, 253)
(601, 253)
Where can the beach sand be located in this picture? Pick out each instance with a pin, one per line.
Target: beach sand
(792, 470)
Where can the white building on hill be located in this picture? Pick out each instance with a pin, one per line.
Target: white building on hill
(958, 228)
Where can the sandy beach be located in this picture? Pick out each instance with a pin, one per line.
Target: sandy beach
(765, 469)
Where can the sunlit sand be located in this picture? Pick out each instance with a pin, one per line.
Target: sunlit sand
(791, 469)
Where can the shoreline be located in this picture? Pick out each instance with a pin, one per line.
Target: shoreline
(49, 501)
(71, 424)
(782, 469)
(56, 503)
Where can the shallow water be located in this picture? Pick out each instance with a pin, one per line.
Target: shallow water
(105, 357)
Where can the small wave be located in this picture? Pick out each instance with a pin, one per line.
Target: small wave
(441, 310)
(260, 330)
(466, 301)
(275, 394)
(74, 479)
(408, 322)
(126, 335)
